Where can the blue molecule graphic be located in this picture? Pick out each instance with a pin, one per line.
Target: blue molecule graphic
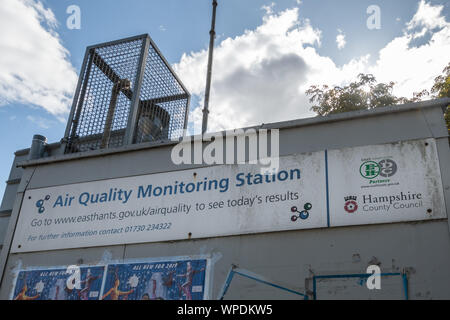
(303, 215)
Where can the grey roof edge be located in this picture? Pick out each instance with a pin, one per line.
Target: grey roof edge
(358, 114)
(24, 152)
(441, 103)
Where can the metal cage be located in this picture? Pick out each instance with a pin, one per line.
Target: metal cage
(127, 93)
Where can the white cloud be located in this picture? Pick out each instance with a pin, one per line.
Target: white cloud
(34, 65)
(428, 16)
(261, 76)
(413, 67)
(340, 40)
(41, 122)
(268, 8)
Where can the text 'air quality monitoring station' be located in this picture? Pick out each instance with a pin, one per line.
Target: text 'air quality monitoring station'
(116, 194)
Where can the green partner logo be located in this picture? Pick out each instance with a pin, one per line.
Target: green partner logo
(370, 169)
(385, 168)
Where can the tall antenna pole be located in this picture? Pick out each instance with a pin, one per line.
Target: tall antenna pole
(212, 35)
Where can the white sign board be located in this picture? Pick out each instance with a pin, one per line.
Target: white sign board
(385, 183)
(354, 186)
(206, 202)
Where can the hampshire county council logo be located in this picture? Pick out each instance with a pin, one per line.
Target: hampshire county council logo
(350, 204)
(40, 204)
(385, 168)
(303, 215)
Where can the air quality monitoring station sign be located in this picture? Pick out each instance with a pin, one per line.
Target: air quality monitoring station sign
(354, 186)
(205, 202)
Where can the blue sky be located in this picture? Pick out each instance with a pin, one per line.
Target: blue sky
(256, 39)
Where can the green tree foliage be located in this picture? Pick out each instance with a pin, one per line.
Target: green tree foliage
(366, 93)
(441, 89)
(363, 94)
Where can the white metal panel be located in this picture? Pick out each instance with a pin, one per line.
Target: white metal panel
(385, 183)
(122, 215)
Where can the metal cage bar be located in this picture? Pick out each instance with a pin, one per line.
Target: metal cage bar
(126, 93)
(132, 119)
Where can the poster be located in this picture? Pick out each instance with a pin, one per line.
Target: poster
(170, 278)
(59, 284)
(165, 280)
